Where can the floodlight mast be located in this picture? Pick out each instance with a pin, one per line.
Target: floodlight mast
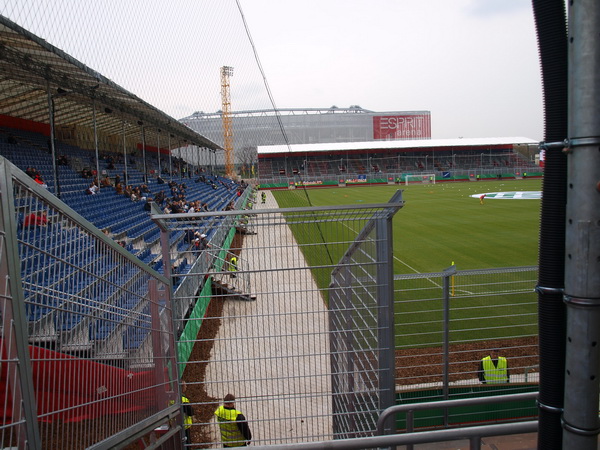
(226, 72)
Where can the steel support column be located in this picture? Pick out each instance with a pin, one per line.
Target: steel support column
(144, 154)
(581, 425)
(385, 305)
(170, 160)
(158, 150)
(96, 144)
(124, 156)
(53, 141)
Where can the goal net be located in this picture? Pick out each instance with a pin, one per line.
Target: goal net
(424, 178)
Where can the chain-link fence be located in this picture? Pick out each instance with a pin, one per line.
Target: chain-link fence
(273, 331)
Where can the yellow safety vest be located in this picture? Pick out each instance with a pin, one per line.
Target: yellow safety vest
(231, 436)
(187, 420)
(493, 374)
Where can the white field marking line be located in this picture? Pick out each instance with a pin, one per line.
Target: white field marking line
(463, 291)
(402, 262)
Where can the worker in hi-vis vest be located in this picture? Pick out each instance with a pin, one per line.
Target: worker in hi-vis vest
(494, 368)
(233, 266)
(188, 412)
(235, 431)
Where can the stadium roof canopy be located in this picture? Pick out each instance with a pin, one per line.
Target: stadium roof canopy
(353, 109)
(407, 144)
(33, 72)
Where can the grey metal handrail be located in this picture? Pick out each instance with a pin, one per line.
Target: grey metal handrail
(473, 434)
(425, 437)
(411, 407)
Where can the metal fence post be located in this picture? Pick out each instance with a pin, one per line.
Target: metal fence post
(14, 320)
(385, 304)
(447, 276)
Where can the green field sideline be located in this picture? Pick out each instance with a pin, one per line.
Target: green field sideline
(441, 224)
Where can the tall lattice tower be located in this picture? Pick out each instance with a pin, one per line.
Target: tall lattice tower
(226, 72)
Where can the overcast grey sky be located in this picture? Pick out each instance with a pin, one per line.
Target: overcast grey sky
(473, 63)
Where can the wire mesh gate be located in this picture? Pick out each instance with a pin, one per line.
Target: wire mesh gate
(275, 330)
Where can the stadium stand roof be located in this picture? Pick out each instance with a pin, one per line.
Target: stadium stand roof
(31, 68)
(392, 144)
(353, 109)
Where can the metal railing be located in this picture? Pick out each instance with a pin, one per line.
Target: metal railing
(474, 433)
(88, 351)
(446, 322)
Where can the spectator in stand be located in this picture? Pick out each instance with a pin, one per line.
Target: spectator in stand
(189, 236)
(38, 179)
(32, 172)
(200, 243)
(176, 207)
(92, 188)
(160, 197)
(35, 220)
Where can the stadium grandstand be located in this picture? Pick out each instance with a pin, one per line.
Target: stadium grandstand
(313, 125)
(142, 287)
(255, 128)
(382, 161)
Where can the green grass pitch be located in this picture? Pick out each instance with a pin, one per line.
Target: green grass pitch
(441, 224)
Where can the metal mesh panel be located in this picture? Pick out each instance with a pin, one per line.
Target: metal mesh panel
(355, 343)
(447, 322)
(271, 323)
(95, 327)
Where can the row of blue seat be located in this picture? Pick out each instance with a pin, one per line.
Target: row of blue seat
(63, 282)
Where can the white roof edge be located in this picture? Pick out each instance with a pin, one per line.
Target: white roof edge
(384, 145)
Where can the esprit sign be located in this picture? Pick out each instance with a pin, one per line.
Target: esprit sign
(416, 126)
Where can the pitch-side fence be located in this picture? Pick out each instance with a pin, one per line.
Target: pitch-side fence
(274, 331)
(307, 326)
(315, 336)
(447, 322)
(88, 351)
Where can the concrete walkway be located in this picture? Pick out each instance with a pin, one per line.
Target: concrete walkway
(273, 353)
